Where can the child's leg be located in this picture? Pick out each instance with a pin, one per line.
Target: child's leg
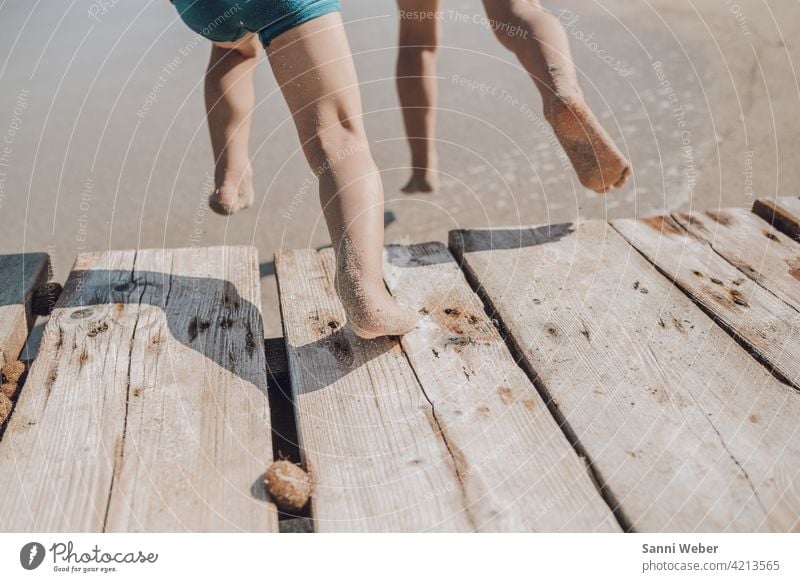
(313, 66)
(540, 43)
(416, 86)
(229, 104)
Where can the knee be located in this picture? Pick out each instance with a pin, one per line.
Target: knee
(334, 143)
(419, 35)
(513, 21)
(241, 50)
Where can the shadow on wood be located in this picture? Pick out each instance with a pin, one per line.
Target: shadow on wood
(19, 273)
(224, 327)
(470, 241)
(337, 353)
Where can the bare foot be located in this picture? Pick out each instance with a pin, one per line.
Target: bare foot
(597, 161)
(424, 181)
(235, 193)
(371, 311)
(379, 316)
(425, 173)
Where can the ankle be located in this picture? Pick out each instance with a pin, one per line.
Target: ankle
(233, 172)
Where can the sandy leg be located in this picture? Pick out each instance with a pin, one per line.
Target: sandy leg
(416, 87)
(314, 68)
(229, 97)
(544, 53)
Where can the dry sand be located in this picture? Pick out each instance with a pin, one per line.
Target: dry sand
(103, 142)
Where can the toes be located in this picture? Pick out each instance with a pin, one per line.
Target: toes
(215, 204)
(623, 177)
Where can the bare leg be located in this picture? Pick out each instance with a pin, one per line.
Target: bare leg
(229, 104)
(416, 86)
(540, 43)
(313, 65)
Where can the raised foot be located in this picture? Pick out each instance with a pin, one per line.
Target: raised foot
(600, 165)
(235, 193)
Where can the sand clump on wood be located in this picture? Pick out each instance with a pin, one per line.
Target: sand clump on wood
(9, 389)
(288, 484)
(11, 372)
(10, 375)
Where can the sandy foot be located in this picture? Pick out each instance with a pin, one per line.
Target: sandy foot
(235, 193)
(371, 311)
(597, 161)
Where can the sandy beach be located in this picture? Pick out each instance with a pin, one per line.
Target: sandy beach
(103, 143)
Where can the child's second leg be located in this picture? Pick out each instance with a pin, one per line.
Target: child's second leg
(420, 30)
(543, 50)
(313, 66)
(229, 99)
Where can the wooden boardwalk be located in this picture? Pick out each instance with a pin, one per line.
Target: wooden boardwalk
(638, 375)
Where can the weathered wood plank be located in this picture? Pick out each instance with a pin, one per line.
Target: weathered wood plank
(683, 428)
(749, 311)
(782, 212)
(519, 471)
(146, 409)
(758, 250)
(366, 432)
(20, 275)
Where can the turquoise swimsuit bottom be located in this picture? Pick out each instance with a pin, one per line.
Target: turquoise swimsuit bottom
(229, 20)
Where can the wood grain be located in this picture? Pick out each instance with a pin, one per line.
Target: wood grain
(759, 251)
(519, 471)
(20, 275)
(146, 409)
(367, 434)
(684, 430)
(732, 295)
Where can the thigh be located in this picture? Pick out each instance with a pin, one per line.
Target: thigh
(248, 46)
(313, 65)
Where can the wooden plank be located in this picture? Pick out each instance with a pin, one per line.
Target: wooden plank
(367, 434)
(758, 250)
(146, 408)
(20, 275)
(782, 212)
(682, 427)
(519, 471)
(740, 304)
